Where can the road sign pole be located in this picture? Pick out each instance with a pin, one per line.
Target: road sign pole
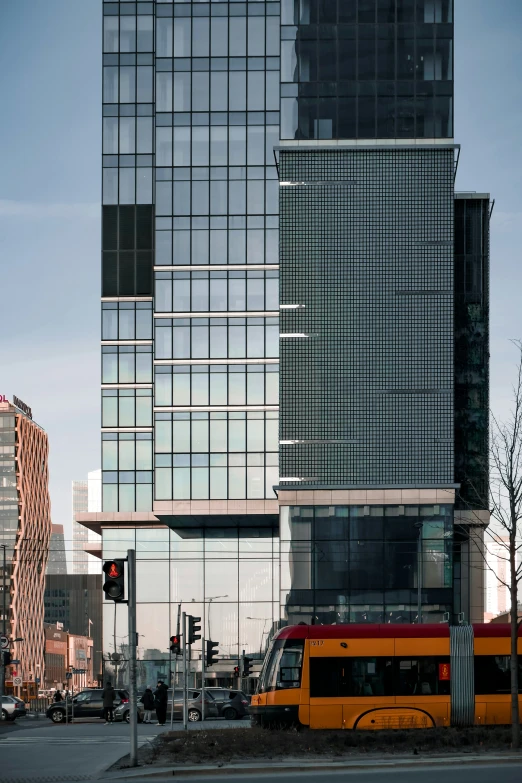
(133, 701)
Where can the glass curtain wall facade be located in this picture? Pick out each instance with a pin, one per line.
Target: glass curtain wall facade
(366, 69)
(229, 577)
(190, 305)
(191, 117)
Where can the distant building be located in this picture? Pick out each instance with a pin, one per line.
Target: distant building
(498, 600)
(57, 563)
(25, 529)
(505, 617)
(80, 534)
(75, 600)
(80, 661)
(66, 652)
(55, 656)
(86, 496)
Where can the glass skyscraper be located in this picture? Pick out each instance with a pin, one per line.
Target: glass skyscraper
(311, 139)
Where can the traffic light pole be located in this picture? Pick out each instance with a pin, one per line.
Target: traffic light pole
(203, 662)
(133, 700)
(185, 675)
(173, 693)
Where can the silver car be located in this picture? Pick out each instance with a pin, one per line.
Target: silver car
(12, 708)
(194, 704)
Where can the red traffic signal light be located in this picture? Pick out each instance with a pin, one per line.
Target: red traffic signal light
(114, 585)
(236, 671)
(113, 571)
(175, 645)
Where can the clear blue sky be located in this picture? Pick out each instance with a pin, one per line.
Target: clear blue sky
(50, 80)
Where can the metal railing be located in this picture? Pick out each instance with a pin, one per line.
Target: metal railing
(37, 707)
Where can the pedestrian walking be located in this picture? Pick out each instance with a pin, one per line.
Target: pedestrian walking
(161, 696)
(58, 696)
(108, 696)
(148, 705)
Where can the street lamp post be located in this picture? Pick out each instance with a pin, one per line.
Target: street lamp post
(266, 620)
(213, 598)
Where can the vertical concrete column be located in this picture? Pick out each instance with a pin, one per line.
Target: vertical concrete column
(477, 580)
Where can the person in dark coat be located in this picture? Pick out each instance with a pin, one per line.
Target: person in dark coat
(108, 696)
(161, 697)
(148, 705)
(58, 696)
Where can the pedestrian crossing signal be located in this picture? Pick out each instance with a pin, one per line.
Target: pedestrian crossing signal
(114, 584)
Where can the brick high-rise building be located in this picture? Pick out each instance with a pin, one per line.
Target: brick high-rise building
(25, 530)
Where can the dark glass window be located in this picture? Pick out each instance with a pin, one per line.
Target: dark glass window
(334, 677)
(493, 675)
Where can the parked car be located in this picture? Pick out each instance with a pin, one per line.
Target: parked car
(231, 704)
(12, 708)
(194, 705)
(87, 704)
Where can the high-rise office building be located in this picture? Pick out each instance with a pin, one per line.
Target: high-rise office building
(57, 563)
(25, 532)
(313, 139)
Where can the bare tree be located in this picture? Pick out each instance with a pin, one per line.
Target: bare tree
(506, 510)
(505, 505)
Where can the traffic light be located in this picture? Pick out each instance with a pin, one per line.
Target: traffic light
(7, 657)
(175, 645)
(236, 671)
(114, 585)
(211, 656)
(246, 666)
(193, 629)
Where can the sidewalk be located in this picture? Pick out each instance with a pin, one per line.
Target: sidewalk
(309, 765)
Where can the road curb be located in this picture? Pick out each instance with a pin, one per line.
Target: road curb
(253, 768)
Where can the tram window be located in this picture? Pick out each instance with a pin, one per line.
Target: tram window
(331, 677)
(420, 677)
(283, 669)
(493, 674)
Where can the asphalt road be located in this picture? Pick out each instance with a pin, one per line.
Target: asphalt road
(419, 773)
(35, 751)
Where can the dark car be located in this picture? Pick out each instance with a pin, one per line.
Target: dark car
(231, 704)
(194, 706)
(87, 704)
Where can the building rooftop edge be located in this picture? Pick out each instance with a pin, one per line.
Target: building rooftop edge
(328, 144)
(471, 194)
